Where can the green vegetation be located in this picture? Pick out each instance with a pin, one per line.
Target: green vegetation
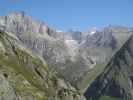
(117, 78)
(108, 98)
(28, 74)
(90, 77)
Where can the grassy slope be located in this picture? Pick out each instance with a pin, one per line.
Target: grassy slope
(118, 71)
(92, 74)
(28, 74)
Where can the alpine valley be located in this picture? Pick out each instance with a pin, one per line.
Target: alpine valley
(38, 62)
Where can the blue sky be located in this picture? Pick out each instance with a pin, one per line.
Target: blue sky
(74, 14)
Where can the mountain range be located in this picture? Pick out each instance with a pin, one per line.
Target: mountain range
(42, 63)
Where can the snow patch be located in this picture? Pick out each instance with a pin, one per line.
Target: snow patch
(59, 31)
(71, 42)
(92, 30)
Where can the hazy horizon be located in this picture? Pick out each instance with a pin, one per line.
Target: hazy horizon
(73, 14)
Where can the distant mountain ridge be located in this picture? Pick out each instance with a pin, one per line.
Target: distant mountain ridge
(59, 49)
(76, 56)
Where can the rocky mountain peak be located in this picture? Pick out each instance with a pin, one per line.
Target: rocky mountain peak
(18, 14)
(19, 22)
(92, 30)
(116, 29)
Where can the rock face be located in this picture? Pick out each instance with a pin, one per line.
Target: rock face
(74, 55)
(118, 29)
(76, 35)
(6, 91)
(26, 76)
(55, 47)
(116, 81)
(100, 47)
(19, 23)
(103, 44)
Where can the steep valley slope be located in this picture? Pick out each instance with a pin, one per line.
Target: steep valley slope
(26, 76)
(116, 80)
(101, 46)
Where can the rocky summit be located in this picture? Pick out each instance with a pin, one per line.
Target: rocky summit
(38, 62)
